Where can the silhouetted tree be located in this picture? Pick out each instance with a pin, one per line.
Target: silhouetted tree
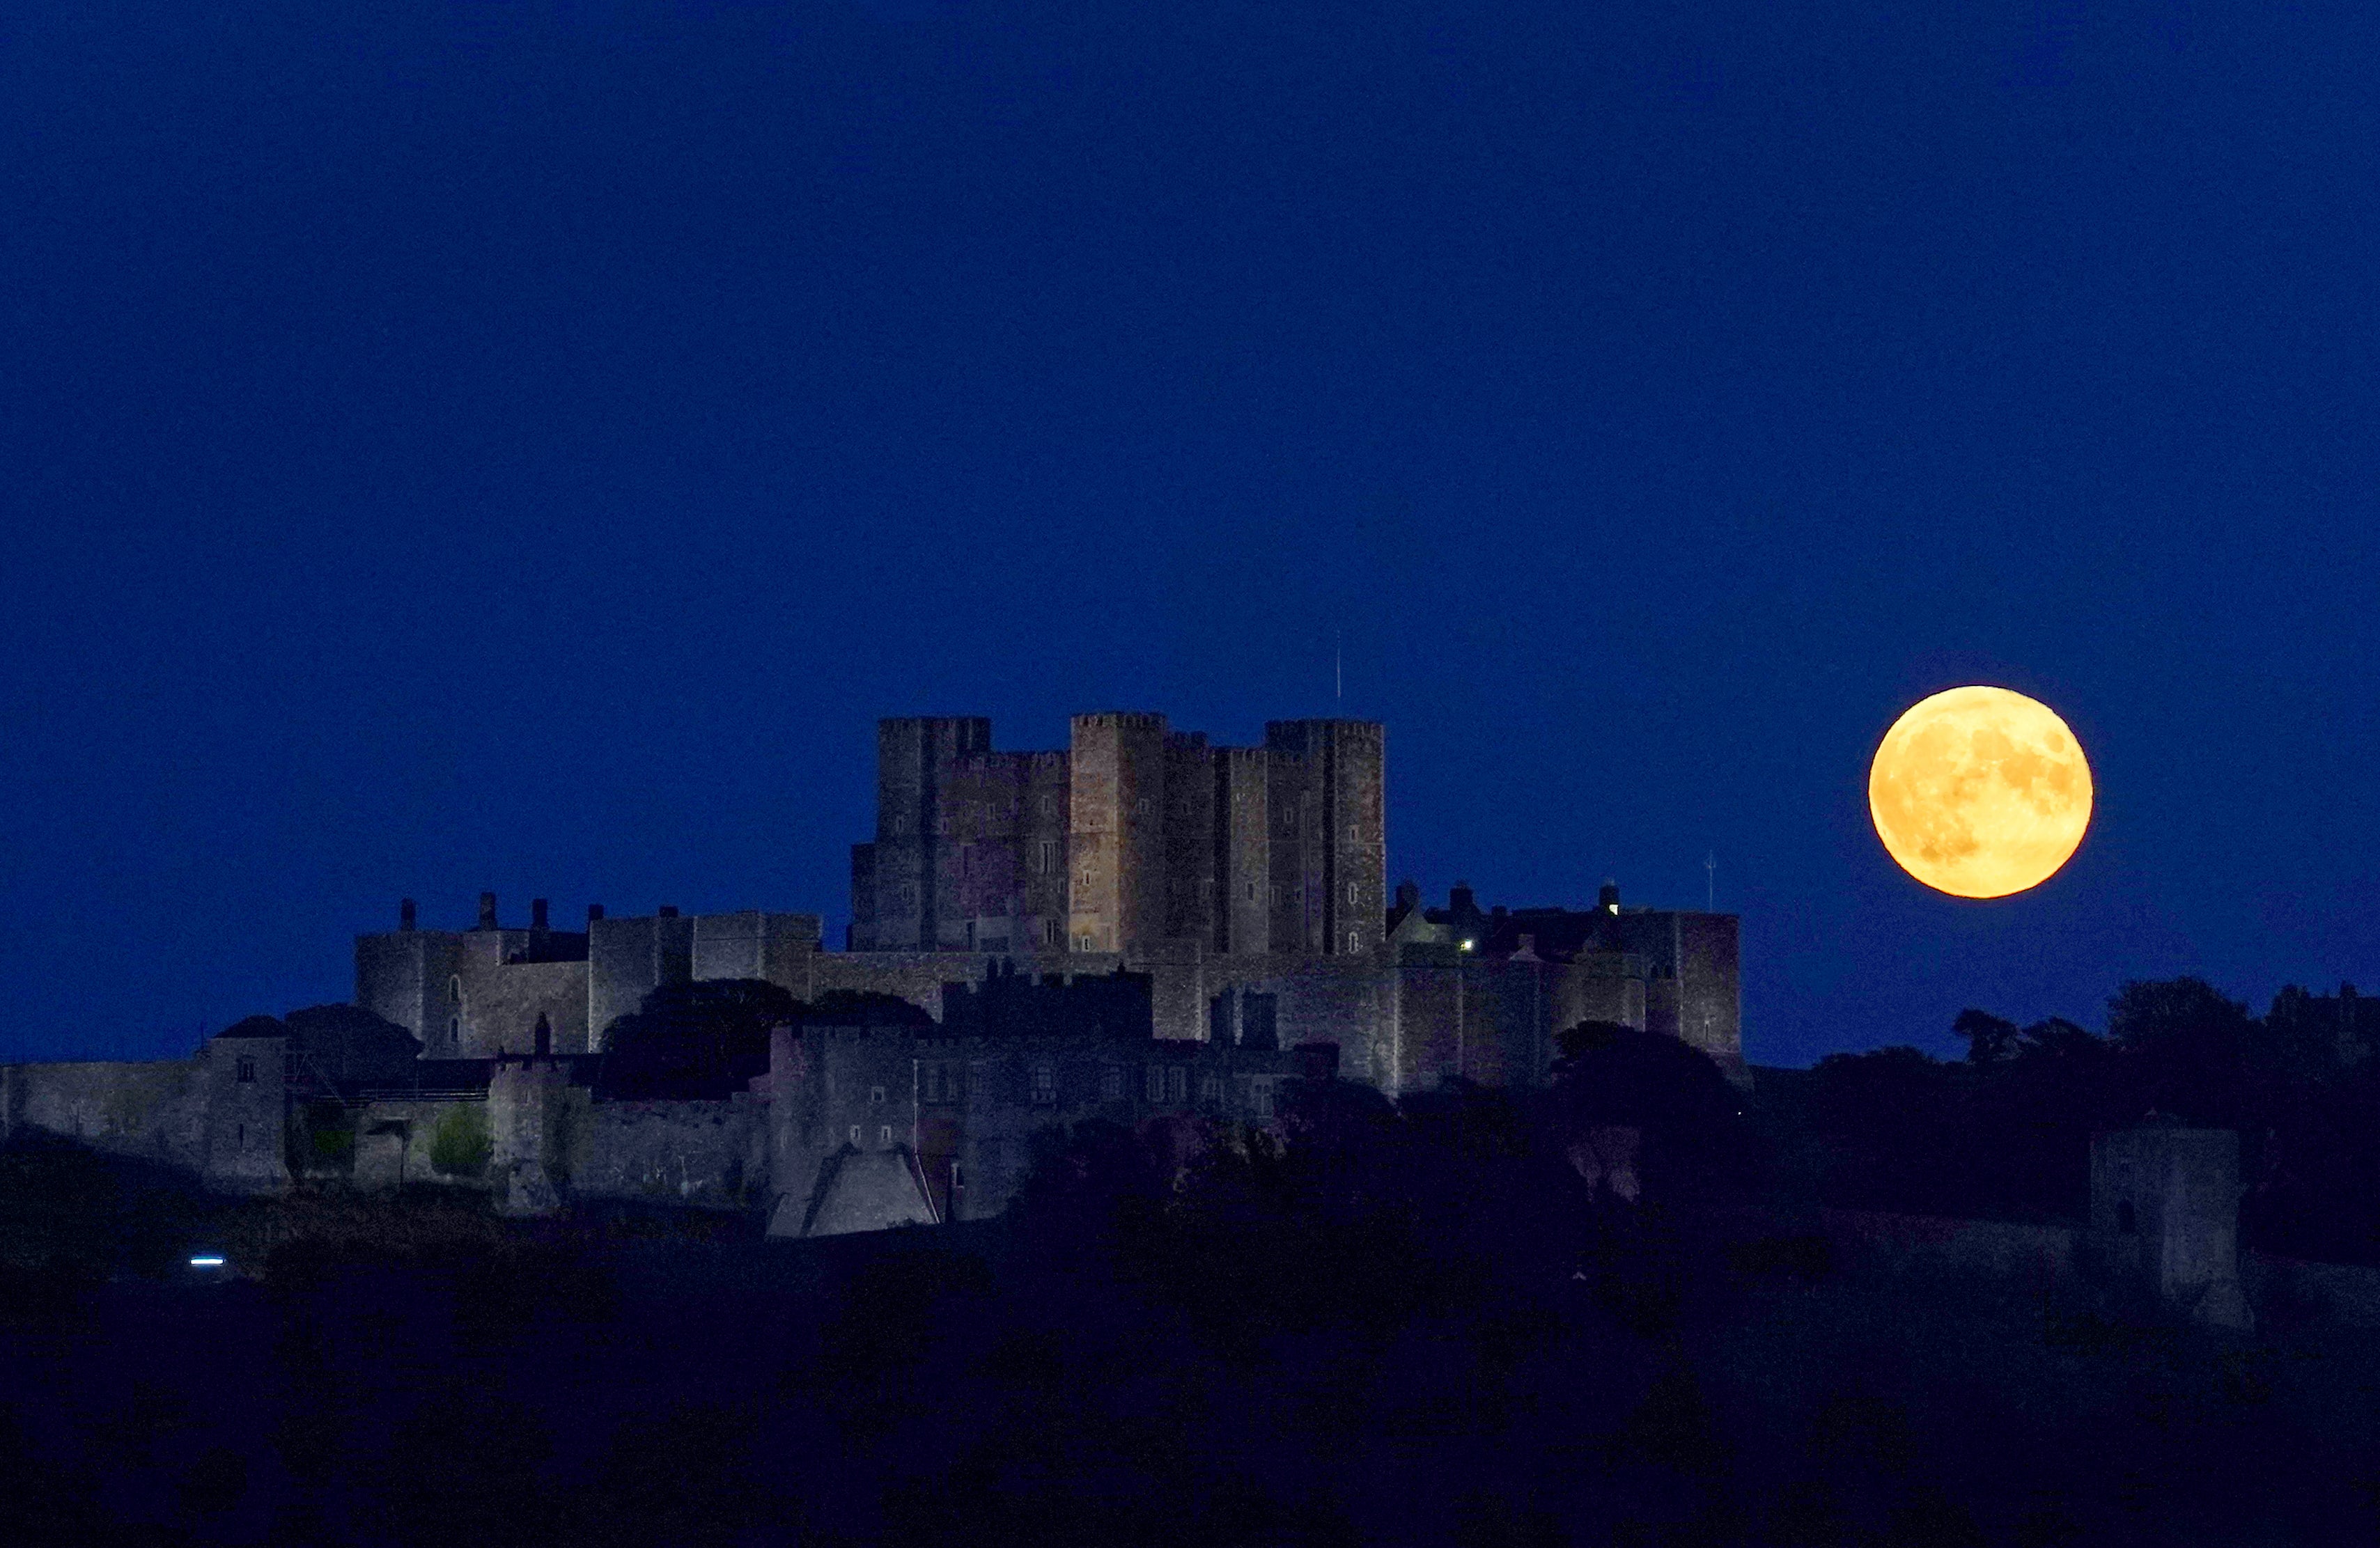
(1693, 1123)
(1989, 1039)
(704, 1039)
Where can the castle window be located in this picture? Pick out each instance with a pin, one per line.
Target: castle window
(1276, 897)
(1140, 807)
(1154, 1082)
(1048, 805)
(454, 1030)
(1177, 1083)
(247, 1070)
(455, 991)
(855, 1133)
(885, 1135)
(241, 1142)
(1210, 1089)
(1050, 934)
(1045, 1083)
(1112, 1084)
(1351, 893)
(1260, 1093)
(1252, 892)
(876, 1096)
(1355, 942)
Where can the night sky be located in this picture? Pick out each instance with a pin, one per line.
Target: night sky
(448, 446)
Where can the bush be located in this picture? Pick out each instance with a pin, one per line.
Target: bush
(460, 1145)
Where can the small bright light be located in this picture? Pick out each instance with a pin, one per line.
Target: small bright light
(1466, 946)
(1611, 908)
(206, 1263)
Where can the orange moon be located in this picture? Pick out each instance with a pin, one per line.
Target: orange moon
(1980, 792)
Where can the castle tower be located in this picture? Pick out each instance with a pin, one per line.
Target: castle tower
(1327, 793)
(1116, 848)
(2165, 1216)
(905, 869)
(1242, 838)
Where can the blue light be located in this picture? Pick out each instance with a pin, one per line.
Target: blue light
(205, 1261)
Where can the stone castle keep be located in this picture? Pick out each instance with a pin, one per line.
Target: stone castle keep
(1143, 927)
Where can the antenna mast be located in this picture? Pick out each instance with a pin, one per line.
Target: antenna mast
(1710, 883)
(1338, 666)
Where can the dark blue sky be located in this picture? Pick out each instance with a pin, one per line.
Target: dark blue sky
(449, 446)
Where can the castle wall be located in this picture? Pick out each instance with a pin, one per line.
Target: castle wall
(502, 1003)
(221, 1114)
(751, 944)
(628, 959)
(154, 1111)
(702, 1154)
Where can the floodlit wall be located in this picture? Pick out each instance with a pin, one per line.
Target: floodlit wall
(701, 1154)
(219, 1114)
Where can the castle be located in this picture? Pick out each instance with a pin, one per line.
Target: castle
(1142, 927)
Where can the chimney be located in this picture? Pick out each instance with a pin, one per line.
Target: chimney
(669, 911)
(537, 914)
(487, 911)
(1608, 899)
(1408, 895)
(1461, 899)
(594, 911)
(405, 914)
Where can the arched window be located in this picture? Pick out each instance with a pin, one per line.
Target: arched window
(455, 991)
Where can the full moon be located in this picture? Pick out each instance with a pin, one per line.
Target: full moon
(1980, 792)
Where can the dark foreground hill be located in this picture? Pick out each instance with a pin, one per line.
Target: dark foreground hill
(1420, 1338)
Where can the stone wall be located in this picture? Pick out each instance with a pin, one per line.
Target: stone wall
(703, 1154)
(220, 1115)
(154, 1111)
(503, 1001)
(1932, 1247)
